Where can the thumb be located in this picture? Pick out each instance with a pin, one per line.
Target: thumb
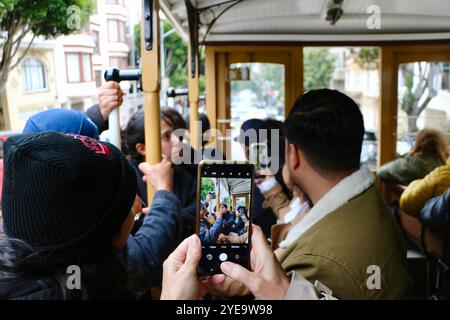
(144, 167)
(194, 252)
(238, 273)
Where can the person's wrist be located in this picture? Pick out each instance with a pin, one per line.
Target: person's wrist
(164, 187)
(284, 286)
(104, 113)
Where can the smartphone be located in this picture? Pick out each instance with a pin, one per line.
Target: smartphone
(224, 213)
(258, 155)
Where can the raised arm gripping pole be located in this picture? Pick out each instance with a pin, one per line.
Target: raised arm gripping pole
(151, 83)
(117, 75)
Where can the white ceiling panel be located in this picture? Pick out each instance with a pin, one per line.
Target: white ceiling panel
(280, 20)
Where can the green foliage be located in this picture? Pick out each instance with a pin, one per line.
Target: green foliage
(367, 58)
(318, 68)
(5, 6)
(48, 18)
(208, 185)
(264, 77)
(137, 40)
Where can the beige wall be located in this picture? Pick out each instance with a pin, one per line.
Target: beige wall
(19, 103)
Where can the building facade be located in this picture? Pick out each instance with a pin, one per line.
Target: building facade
(67, 72)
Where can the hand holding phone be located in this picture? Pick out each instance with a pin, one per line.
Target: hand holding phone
(231, 185)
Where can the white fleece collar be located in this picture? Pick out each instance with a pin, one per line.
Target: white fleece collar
(295, 208)
(347, 189)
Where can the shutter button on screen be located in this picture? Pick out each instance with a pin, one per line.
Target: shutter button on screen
(223, 257)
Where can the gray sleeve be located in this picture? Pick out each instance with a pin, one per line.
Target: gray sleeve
(155, 239)
(94, 114)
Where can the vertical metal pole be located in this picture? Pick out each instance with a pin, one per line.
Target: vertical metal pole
(151, 83)
(193, 94)
(193, 72)
(163, 65)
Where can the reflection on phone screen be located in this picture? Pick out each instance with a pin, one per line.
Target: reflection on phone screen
(224, 219)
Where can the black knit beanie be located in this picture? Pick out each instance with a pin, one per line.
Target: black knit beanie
(65, 190)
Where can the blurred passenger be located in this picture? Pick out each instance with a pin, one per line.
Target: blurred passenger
(420, 191)
(227, 217)
(209, 233)
(263, 215)
(436, 212)
(436, 215)
(184, 184)
(430, 151)
(239, 233)
(288, 212)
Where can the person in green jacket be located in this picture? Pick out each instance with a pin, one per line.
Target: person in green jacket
(430, 151)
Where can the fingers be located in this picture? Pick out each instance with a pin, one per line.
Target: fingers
(177, 258)
(238, 273)
(111, 95)
(145, 167)
(165, 162)
(215, 280)
(194, 253)
(187, 255)
(146, 210)
(112, 87)
(258, 238)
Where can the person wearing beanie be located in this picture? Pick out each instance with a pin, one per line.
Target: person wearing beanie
(67, 203)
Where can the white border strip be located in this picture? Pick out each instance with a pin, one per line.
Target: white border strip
(326, 37)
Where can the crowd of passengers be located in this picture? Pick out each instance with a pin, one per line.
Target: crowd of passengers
(319, 222)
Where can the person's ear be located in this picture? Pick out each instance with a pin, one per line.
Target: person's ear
(140, 148)
(294, 156)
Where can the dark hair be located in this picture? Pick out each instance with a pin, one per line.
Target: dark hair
(271, 125)
(104, 273)
(173, 118)
(431, 143)
(135, 131)
(224, 205)
(328, 127)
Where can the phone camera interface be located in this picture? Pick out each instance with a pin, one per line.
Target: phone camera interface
(224, 218)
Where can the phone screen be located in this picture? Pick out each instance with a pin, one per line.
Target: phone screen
(224, 214)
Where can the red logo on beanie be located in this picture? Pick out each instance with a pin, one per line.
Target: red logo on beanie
(93, 144)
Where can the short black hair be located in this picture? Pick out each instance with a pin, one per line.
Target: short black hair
(328, 127)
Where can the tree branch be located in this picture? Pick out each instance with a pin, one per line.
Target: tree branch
(24, 31)
(423, 105)
(24, 53)
(18, 41)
